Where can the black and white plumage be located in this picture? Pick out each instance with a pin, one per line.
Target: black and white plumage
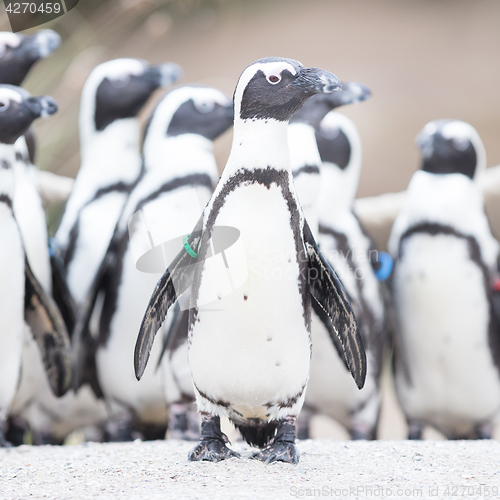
(112, 96)
(447, 349)
(304, 156)
(178, 157)
(249, 349)
(22, 298)
(351, 252)
(18, 54)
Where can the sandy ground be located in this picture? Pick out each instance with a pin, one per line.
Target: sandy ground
(327, 468)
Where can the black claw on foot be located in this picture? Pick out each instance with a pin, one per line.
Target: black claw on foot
(282, 448)
(212, 446)
(278, 452)
(212, 450)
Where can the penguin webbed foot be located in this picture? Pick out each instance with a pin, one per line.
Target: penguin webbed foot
(278, 451)
(415, 431)
(3, 441)
(282, 447)
(183, 422)
(212, 446)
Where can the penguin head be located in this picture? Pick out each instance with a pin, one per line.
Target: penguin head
(315, 109)
(119, 88)
(451, 147)
(190, 109)
(18, 53)
(18, 109)
(274, 88)
(339, 146)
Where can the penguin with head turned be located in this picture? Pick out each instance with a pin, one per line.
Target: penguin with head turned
(22, 298)
(350, 251)
(249, 342)
(304, 155)
(178, 159)
(447, 348)
(18, 54)
(112, 96)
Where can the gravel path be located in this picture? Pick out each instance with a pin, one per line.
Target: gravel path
(331, 469)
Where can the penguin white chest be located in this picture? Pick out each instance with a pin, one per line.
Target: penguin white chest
(11, 307)
(251, 347)
(443, 315)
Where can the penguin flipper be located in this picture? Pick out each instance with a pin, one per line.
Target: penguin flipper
(174, 282)
(176, 331)
(83, 344)
(60, 291)
(49, 332)
(329, 293)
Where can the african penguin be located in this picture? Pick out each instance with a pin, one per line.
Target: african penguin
(304, 156)
(18, 54)
(112, 96)
(249, 345)
(178, 156)
(447, 349)
(22, 298)
(351, 253)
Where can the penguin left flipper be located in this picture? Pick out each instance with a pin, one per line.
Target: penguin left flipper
(83, 344)
(49, 332)
(174, 282)
(60, 291)
(328, 292)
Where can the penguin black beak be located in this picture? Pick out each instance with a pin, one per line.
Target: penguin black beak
(316, 81)
(40, 45)
(163, 75)
(42, 106)
(351, 93)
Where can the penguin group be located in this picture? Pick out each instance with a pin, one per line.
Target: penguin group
(270, 300)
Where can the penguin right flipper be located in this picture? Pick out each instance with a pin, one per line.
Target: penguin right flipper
(175, 332)
(328, 292)
(49, 332)
(174, 282)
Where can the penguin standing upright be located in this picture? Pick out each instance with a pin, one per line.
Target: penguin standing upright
(304, 155)
(21, 295)
(178, 156)
(253, 265)
(352, 254)
(447, 348)
(18, 54)
(113, 95)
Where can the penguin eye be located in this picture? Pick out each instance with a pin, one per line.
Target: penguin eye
(120, 81)
(204, 106)
(460, 144)
(4, 105)
(274, 79)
